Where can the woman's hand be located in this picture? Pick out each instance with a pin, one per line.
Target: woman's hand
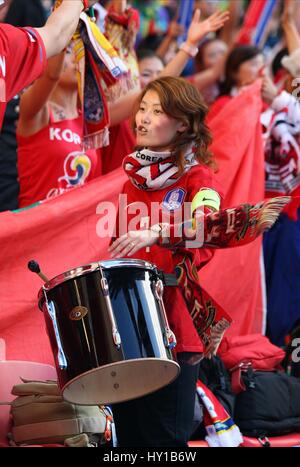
(133, 241)
(198, 29)
(268, 90)
(175, 30)
(287, 17)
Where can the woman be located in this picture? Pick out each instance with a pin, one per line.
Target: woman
(150, 66)
(121, 136)
(209, 68)
(161, 133)
(244, 65)
(49, 132)
(171, 168)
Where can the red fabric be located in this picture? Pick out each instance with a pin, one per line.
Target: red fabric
(178, 314)
(22, 60)
(217, 106)
(130, 17)
(290, 440)
(121, 143)
(233, 276)
(60, 234)
(52, 161)
(254, 348)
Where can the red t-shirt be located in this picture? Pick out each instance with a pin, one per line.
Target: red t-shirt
(51, 161)
(22, 60)
(172, 200)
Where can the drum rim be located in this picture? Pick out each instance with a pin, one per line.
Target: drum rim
(92, 267)
(173, 363)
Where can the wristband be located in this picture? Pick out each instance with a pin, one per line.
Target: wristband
(191, 50)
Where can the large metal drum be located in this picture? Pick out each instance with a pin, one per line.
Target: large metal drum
(109, 332)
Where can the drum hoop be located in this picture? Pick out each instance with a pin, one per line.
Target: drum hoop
(92, 267)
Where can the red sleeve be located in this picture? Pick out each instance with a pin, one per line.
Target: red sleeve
(22, 58)
(201, 178)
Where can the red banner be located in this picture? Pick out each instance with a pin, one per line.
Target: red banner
(60, 234)
(233, 276)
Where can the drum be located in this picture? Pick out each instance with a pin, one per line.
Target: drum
(108, 331)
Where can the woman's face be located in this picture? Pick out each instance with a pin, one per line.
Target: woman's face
(149, 70)
(154, 128)
(68, 75)
(213, 52)
(249, 71)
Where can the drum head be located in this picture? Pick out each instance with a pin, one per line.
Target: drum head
(120, 382)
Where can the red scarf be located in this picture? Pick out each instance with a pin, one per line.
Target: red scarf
(223, 229)
(152, 170)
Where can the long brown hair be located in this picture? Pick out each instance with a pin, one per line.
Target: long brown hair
(181, 100)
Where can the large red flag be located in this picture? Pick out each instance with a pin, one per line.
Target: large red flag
(60, 234)
(233, 277)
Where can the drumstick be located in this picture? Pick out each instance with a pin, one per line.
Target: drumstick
(33, 266)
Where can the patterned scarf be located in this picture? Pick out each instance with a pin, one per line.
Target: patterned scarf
(151, 170)
(282, 152)
(221, 429)
(94, 54)
(121, 31)
(222, 229)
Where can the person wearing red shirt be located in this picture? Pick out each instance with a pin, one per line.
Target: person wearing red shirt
(171, 187)
(171, 168)
(244, 65)
(49, 135)
(122, 137)
(23, 51)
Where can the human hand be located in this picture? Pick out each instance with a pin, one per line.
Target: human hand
(268, 90)
(287, 15)
(198, 29)
(133, 241)
(175, 30)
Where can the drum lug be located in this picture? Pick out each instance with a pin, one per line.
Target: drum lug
(170, 339)
(61, 358)
(105, 289)
(116, 337)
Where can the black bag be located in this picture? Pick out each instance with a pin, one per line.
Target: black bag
(270, 405)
